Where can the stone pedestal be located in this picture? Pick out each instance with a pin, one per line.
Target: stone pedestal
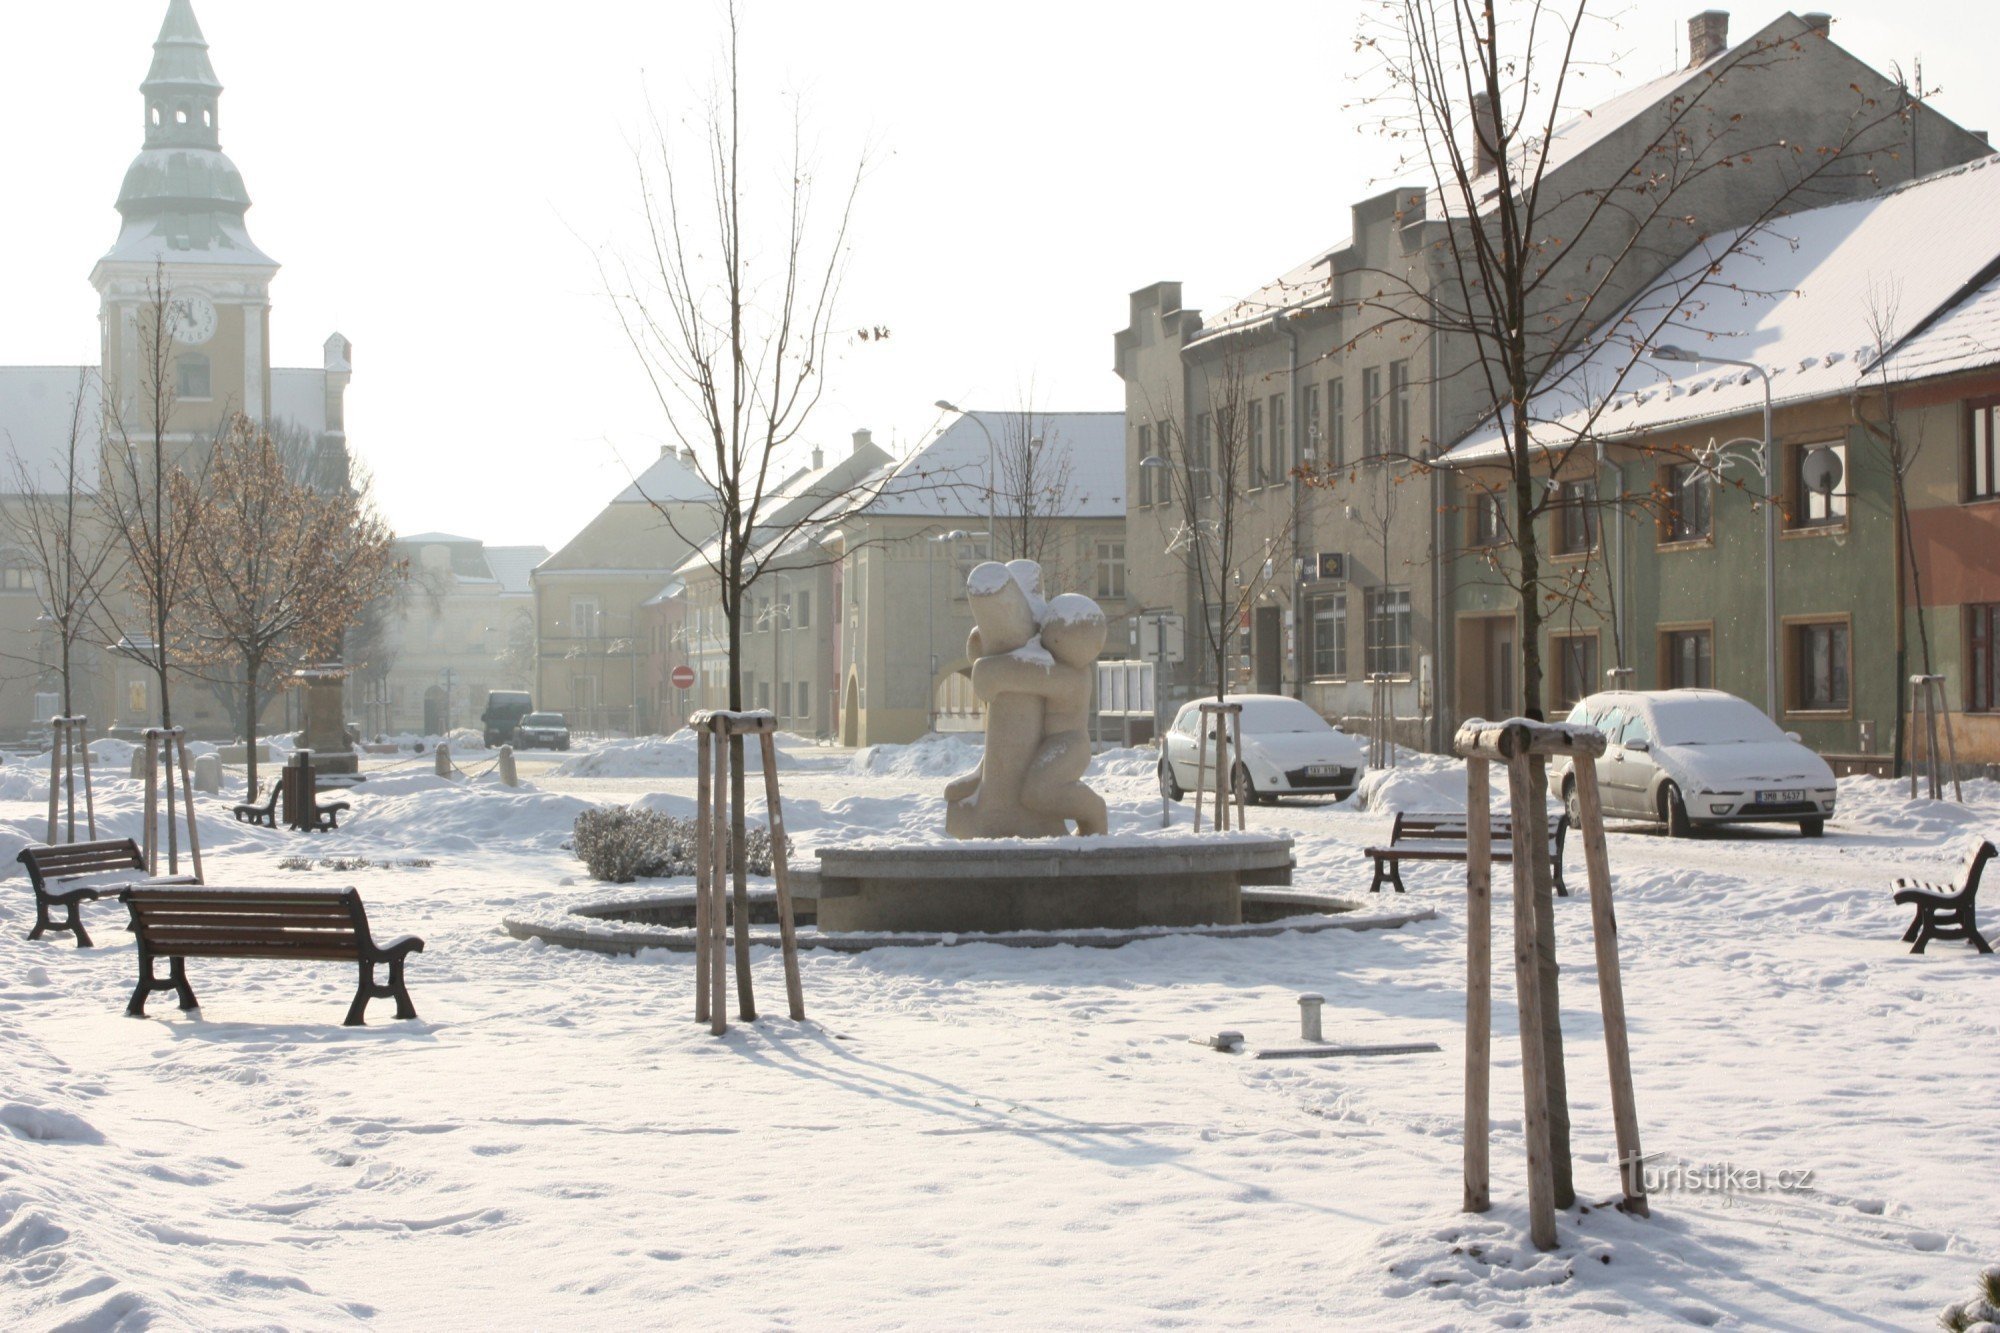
(326, 719)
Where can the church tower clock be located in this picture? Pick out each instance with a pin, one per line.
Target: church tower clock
(183, 238)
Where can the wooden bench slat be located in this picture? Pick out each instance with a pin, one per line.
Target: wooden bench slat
(224, 950)
(150, 900)
(259, 920)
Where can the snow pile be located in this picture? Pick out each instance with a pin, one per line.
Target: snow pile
(1419, 782)
(1126, 763)
(1886, 804)
(937, 755)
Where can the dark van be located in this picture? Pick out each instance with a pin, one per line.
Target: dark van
(504, 711)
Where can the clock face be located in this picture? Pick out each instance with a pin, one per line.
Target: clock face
(193, 319)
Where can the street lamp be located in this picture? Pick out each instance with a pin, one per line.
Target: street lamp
(992, 457)
(1766, 468)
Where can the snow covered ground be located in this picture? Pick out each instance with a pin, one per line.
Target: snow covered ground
(981, 1134)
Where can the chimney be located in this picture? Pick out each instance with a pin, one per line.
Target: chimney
(819, 459)
(863, 438)
(1485, 134)
(1821, 23)
(1708, 36)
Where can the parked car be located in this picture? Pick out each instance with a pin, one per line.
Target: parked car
(504, 711)
(1691, 758)
(544, 731)
(1288, 750)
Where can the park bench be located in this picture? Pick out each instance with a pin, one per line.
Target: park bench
(306, 924)
(264, 812)
(1424, 837)
(110, 865)
(1944, 913)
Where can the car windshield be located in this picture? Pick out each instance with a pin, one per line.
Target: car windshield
(1711, 721)
(542, 720)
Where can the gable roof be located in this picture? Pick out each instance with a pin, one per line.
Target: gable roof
(947, 477)
(1801, 298)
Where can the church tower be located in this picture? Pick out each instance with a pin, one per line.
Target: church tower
(183, 231)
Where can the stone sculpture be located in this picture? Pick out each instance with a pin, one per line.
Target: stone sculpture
(1031, 668)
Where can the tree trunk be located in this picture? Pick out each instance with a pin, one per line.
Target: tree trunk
(746, 1003)
(252, 666)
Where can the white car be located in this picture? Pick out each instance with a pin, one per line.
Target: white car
(1288, 750)
(1687, 758)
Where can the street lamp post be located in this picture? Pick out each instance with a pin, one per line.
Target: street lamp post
(1766, 468)
(992, 459)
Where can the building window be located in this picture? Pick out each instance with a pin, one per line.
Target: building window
(1399, 407)
(1372, 442)
(1309, 429)
(1687, 513)
(1336, 423)
(1145, 473)
(1388, 611)
(1982, 639)
(1111, 570)
(803, 611)
(970, 552)
(585, 620)
(16, 578)
(1281, 450)
(1576, 517)
(1687, 659)
(1820, 668)
(1813, 509)
(191, 375)
(805, 704)
(1257, 477)
(1328, 612)
(1576, 667)
(1982, 464)
(1489, 518)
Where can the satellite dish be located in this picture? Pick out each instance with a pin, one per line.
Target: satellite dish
(1821, 471)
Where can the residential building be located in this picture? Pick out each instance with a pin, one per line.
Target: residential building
(1343, 403)
(1873, 334)
(461, 624)
(590, 596)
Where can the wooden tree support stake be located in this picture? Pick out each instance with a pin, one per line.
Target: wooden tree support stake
(1219, 722)
(69, 738)
(716, 857)
(169, 744)
(1522, 746)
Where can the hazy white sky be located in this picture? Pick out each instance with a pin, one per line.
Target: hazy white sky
(435, 176)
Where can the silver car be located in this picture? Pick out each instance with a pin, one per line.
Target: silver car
(1288, 750)
(1687, 758)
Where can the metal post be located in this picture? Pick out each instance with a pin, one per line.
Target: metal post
(1773, 704)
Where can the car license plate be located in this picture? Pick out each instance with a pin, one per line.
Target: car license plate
(1779, 797)
(1322, 771)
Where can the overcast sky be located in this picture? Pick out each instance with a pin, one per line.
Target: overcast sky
(437, 179)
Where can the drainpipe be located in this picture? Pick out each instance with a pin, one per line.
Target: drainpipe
(1439, 621)
(1295, 653)
(1617, 542)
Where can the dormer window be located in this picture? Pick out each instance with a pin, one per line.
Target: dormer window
(156, 116)
(181, 116)
(207, 119)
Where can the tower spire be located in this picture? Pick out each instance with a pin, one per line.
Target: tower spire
(183, 199)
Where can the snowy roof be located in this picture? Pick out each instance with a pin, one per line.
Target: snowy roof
(1301, 287)
(667, 480)
(947, 477)
(1799, 298)
(36, 410)
(511, 565)
(792, 507)
(1966, 337)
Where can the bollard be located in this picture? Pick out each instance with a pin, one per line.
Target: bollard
(509, 775)
(1309, 1007)
(443, 760)
(208, 773)
(138, 761)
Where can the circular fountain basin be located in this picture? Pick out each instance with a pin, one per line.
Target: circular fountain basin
(1014, 884)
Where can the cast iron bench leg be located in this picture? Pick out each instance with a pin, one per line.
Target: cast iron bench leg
(149, 981)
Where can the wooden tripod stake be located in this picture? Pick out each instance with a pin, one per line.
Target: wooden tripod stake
(1927, 698)
(172, 743)
(1524, 746)
(69, 736)
(1218, 722)
(717, 861)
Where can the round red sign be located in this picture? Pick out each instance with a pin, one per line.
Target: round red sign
(683, 677)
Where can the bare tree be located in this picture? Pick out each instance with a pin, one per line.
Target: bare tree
(1207, 467)
(1525, 255)
(157, 547)
(279, 569)
(66, 547)
(1034, 478)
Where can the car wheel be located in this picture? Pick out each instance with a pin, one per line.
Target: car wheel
(1169, 788)
(1246, 790)
(1812, 828)
(1573, 803)
(1674, 812)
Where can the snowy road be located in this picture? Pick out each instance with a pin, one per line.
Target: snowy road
(986, 1135)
